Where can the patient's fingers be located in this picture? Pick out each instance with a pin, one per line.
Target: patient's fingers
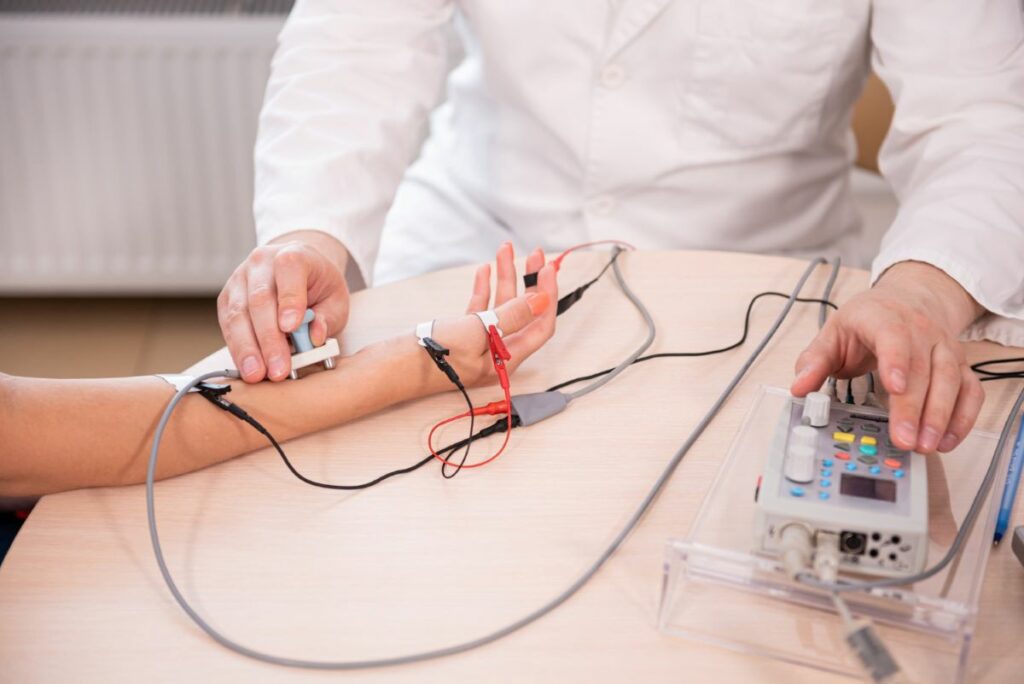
(533, 336)
(481, 290)
(518, 313)
(534, 263)
(505, 288)
(236, 326)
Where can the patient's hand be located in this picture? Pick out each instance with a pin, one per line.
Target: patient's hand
(527, 321)
(907, 326)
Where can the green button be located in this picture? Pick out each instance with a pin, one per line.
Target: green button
(868, 449)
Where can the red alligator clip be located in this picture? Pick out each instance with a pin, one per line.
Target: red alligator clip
(499, 355)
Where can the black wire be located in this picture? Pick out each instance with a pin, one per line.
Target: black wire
(496, 427)
(468, 440)
(981, 368)
(710, 352)
(1004, 376)
(566, 302)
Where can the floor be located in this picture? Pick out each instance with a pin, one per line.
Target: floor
(105, 337)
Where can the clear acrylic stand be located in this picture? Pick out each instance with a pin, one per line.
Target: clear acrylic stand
(716, 589)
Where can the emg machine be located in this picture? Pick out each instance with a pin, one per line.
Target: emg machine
(832, 469)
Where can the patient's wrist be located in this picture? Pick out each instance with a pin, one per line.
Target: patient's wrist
(404, 369)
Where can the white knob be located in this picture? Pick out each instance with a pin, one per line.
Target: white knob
(817, 406)
(800, 454)
(803, 436)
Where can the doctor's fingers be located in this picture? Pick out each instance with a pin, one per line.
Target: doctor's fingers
(965, 412)
(819, 360)
(846, 347)
(306, 278)
(261, 295)
(235, 325)
(940, 397)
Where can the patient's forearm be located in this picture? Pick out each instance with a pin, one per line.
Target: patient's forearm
(68, 434)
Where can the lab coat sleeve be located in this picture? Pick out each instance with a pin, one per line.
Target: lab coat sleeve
(351, 88)
(954, 154)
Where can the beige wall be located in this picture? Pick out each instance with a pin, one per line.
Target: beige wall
(871, 117)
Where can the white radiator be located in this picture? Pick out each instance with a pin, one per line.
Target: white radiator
(126, 149)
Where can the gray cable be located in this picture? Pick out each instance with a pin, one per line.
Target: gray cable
(540, 612)
(651, 331)
(961, 536)
(830, 382)
(827, 295)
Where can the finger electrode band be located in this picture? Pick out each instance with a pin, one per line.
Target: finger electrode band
(490, 320)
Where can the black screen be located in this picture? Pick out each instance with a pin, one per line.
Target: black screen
(868, 487)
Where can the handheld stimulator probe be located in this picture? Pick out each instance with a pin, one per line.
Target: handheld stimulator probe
(304, 353)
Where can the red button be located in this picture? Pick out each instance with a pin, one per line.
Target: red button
(892, 463)
(842, 456)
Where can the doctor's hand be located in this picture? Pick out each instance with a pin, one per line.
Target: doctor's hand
(267, 295)
(907, 327)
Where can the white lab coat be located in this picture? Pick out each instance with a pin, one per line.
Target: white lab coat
(694, 124)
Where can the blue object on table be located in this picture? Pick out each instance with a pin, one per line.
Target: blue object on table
(1010, 488)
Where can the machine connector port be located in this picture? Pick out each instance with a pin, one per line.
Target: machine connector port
(853, 542)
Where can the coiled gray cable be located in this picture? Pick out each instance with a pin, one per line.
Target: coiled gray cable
(536, 614)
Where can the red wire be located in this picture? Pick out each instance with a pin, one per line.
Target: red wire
(498, 355)
(465, 414)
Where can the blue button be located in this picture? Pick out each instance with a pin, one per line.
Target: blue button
(796, 491)
(825, 483)
(874, 470)
(851, 466)
(823, 495)
(868, 449)
(826, 472)
(826, 463)
(898, 473)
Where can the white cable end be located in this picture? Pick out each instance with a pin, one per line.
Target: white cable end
(826, 556)
(795, 549)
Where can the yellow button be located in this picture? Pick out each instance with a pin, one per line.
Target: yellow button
(842, 436)
(868, 440)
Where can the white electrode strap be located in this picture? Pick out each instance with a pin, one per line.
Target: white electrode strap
(489, 318)
(424, 330)
(177, 381)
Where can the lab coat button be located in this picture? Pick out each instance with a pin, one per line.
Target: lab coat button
(612, 76)
(601, 206)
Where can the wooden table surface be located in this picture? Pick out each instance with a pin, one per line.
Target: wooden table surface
(423, 562)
